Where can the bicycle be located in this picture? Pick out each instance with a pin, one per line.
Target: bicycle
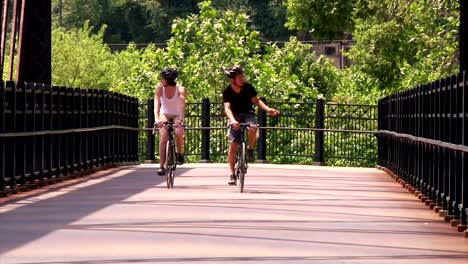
(241, 159)
(170, 163)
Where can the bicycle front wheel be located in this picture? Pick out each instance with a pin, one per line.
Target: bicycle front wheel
(168, 166)
(172, 178)
(241, 164)
(173, 163)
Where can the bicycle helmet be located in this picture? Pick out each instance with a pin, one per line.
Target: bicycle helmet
(169, 73)
(233, 72)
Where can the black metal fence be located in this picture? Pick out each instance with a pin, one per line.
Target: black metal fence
(423, 136)
(304, 133)
(48, 133)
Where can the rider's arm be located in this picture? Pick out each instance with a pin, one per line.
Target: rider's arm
(183, 96)
(271, 111)
(256, 101)
(228, 112)
(157, 103)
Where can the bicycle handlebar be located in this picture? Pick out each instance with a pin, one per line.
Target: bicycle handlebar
(245, 125)
(169, 123)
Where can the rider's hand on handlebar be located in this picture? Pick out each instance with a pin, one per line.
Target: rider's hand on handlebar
(235, 125)
(159, 124)
(179, 123)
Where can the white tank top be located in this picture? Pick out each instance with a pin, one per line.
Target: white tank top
(170, 106)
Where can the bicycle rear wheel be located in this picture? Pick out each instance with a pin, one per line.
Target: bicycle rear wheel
(173, 164)
(241, 167)
(168, 166)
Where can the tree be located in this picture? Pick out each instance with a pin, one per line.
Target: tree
(135, 72)
(204, 43)
(295, 73)
(269, 17)
(75, 13)
(200, 47)
(400, 45)
(80, 58)
(325, 19)
(149, 21)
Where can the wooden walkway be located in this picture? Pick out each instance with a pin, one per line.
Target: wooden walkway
(288, 214)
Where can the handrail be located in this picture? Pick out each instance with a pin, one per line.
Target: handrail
(63, 131)
(281, 128)
(78, 130)
(433, 142)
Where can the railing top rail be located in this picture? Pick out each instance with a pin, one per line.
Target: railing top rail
(283, 128)
(432, 142)
(341, 104)
(64, 131)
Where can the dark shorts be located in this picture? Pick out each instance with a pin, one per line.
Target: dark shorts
(248, 118)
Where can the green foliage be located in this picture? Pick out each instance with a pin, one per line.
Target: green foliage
(435, 31)
(377, 56)
(78, 12)
(146, 21)
(80, 59)
(201, 45)
(296, 74)
(136, 71)
(267, 17)
(325, 19)
(400, 45)
(128, 22)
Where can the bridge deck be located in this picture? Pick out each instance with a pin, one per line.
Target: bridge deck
(288, 214)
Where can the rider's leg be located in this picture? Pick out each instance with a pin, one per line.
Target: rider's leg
(179, 132)
(234, 137)
(163, 137)
(232, 152)
(252, 135)
(232, 156)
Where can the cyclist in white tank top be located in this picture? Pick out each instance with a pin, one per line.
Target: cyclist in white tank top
(170, 106)
(169, 103)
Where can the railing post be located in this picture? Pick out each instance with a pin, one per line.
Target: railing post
(103, 119)
(463, 206)
(261, 142)
(112, 134)
(2, 141)
(379, 136)
(20, 127)
(136, 117)
(463, 39)
(205, 122)
(319, 136)
(150, 158)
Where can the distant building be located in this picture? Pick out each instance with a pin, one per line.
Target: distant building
(335, 50)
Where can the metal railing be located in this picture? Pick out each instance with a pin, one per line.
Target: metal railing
(423, 136)
(304, 133)
(48, 133)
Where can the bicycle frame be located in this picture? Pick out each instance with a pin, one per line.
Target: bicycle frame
(241, 160)
(170, 164)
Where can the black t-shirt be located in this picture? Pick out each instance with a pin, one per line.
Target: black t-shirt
(240, 102)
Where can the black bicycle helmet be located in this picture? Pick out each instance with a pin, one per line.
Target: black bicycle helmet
(169, 73)
(233, 72)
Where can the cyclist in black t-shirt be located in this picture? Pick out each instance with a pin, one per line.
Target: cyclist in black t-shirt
(239, 98)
